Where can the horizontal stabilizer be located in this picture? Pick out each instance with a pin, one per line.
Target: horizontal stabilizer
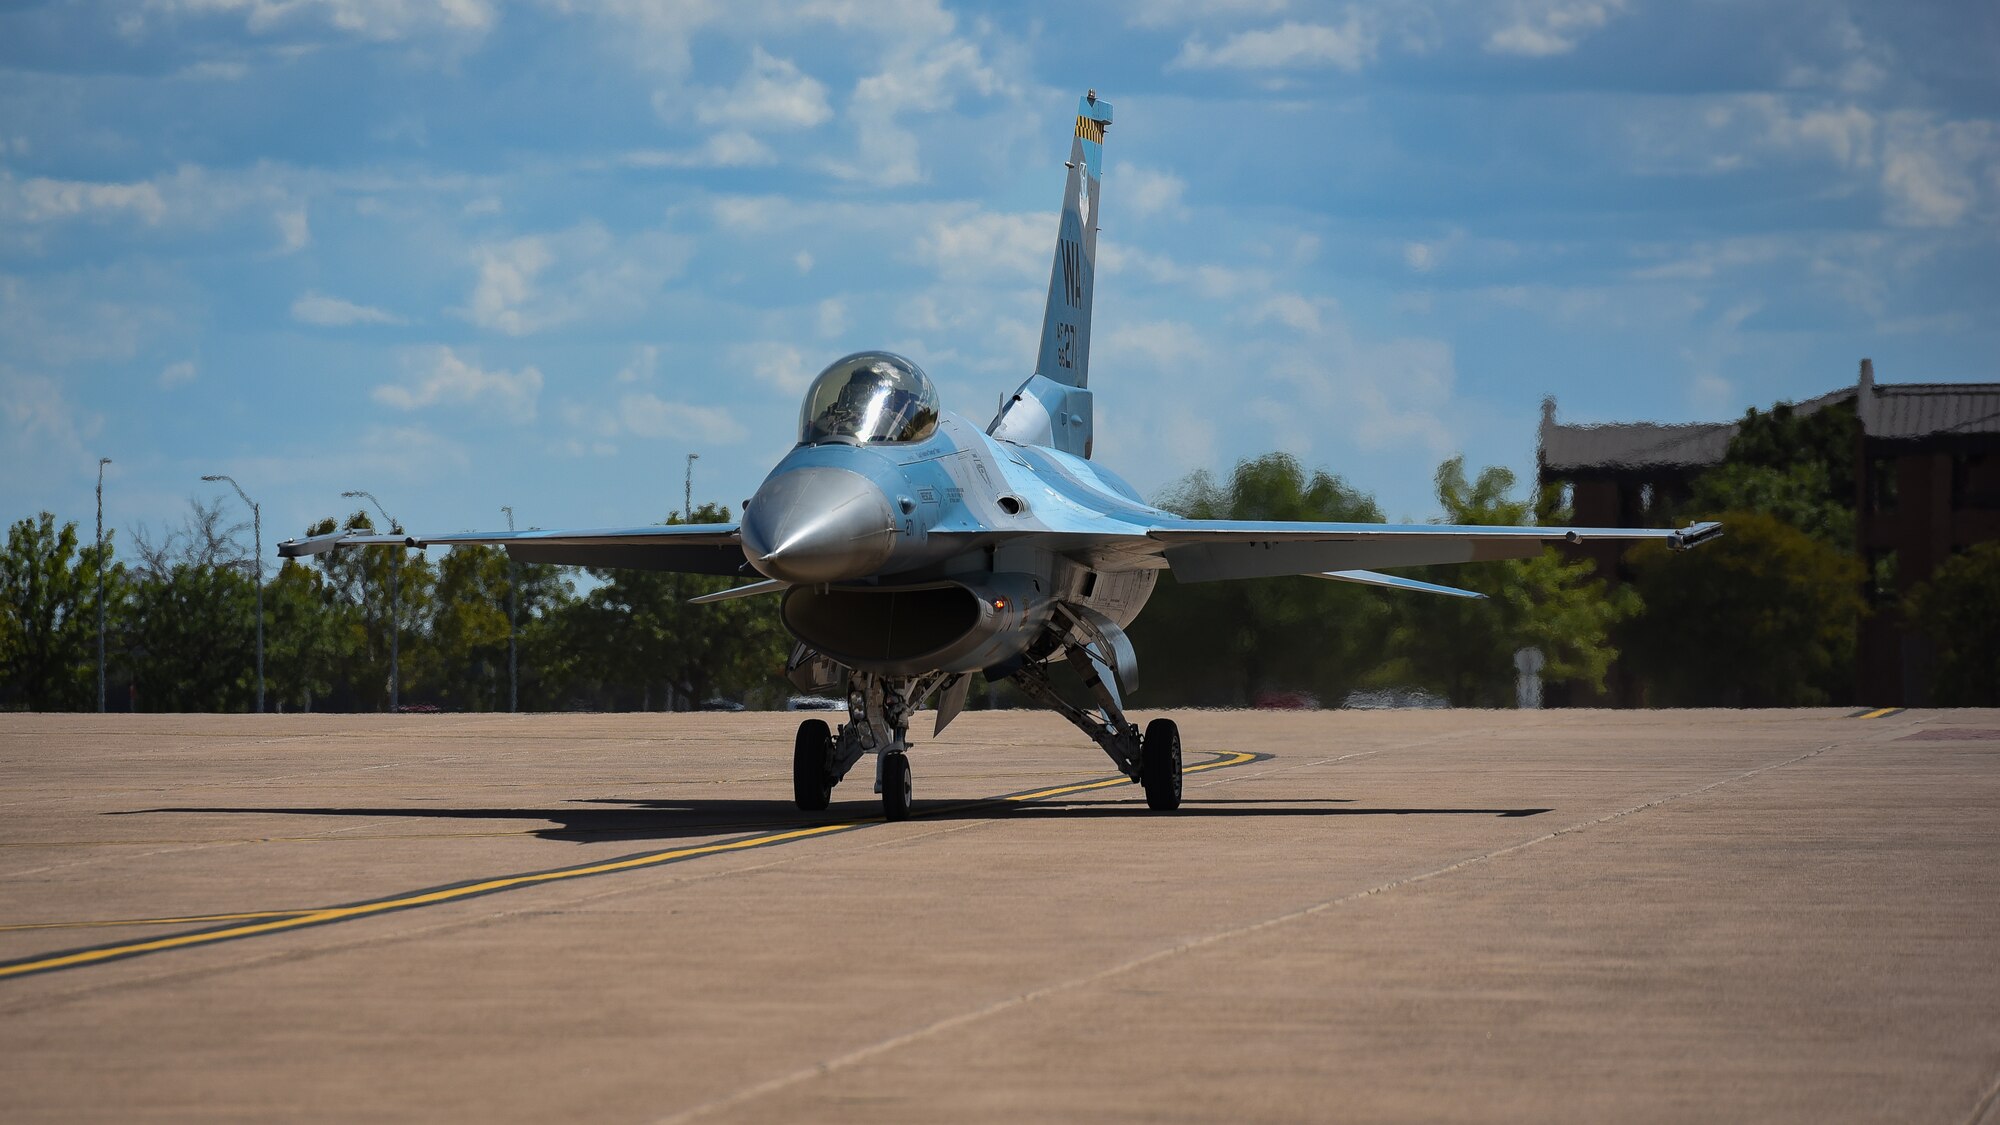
(1371, 578)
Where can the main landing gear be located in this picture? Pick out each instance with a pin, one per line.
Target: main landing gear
(1160, 765)
(813, 777)
(1099, 652)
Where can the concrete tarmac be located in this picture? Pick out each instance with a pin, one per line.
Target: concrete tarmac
(1415, 916)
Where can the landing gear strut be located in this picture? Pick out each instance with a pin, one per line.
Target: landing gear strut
(1095, 651)
(879, 709)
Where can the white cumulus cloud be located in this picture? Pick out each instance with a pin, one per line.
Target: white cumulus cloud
(1348, 46)
(781, 365)
(986, 244)
(42, 200)
(294, 232)
(1148, 191)
(723, 150)
(1540, 28)
(1934, 173)
(382, 20)
(333, 312)
(650, 416)
(438, 376)
(585, 273)
(773, 94)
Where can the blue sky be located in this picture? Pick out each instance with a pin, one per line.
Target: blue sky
(465, 253)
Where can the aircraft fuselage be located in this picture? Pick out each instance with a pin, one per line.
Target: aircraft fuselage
(911, 558)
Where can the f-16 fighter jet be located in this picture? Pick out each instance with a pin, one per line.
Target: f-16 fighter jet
(912, 548)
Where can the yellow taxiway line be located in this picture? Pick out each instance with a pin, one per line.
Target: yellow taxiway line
(254, 924)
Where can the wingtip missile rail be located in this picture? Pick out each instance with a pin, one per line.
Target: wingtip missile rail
(1694, 535)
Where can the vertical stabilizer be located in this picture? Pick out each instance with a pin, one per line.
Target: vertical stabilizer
(1053, 407)
(1065, 355)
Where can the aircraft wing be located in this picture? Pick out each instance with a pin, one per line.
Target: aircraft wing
(1211, 550)
(697, 548)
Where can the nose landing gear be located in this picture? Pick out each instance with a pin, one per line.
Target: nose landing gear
(896, 786)
(879, 709)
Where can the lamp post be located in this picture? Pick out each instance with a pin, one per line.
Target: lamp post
(513, 664)
(257, 525)
(395, 599)
(687, 498)
(101, 462)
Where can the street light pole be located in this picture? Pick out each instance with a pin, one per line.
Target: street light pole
(257, 524)
(101, 462)
(687, 499)
(395, 598)
(513, 664)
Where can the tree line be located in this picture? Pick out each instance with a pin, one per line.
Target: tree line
(1768, 615)
(180, 617)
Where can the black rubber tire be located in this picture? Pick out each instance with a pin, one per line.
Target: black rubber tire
(812, 766)
(1160, 765)
(896, 787)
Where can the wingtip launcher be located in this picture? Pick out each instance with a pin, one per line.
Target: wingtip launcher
(1694, 535)
(335, 540)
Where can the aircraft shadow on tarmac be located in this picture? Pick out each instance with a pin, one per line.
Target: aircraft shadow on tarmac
(683, 819)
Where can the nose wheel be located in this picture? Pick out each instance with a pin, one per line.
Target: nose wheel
(895, 787)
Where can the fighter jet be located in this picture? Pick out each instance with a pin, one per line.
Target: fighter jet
(912, 548)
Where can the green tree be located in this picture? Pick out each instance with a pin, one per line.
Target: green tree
(467, 655)
(189, 639)
(634, 640)
(1958, 609)
(468, 625)
(1796, 467)
(361, 578)
(1800, 495)
(1227, 643)
(1765, 616)
(1464, 649)
(310, 637)
(189, 642)
(48, 614)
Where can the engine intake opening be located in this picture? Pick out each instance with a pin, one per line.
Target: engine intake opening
(877, 625)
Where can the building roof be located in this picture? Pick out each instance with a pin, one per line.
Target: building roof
(1908, 411)
(1647, 445)
(1634, 445)
(1889, 412)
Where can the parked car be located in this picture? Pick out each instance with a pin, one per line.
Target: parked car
(720, 704)
(1395, 699)
(814, 703)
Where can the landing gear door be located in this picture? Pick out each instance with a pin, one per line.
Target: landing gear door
(809, 671)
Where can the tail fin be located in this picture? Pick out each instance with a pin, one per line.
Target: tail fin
(1053, 407)
(1065, 355)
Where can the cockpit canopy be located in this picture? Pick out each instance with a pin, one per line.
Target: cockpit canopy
(870, 397)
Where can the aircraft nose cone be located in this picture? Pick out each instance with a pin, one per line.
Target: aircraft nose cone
(816, 524)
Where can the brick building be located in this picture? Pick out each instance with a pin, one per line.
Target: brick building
(1927, 472)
